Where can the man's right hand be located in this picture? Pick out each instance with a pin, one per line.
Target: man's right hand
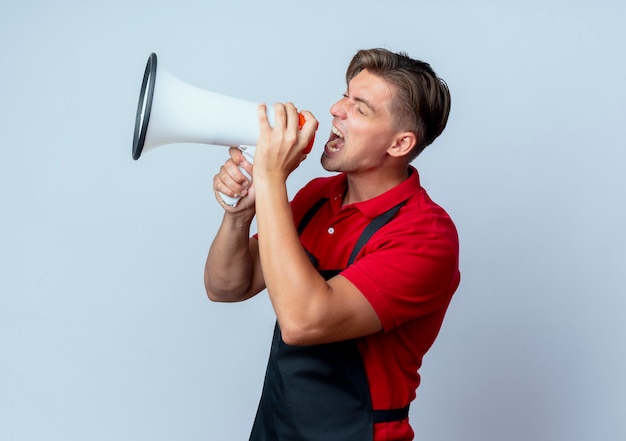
(232, 182)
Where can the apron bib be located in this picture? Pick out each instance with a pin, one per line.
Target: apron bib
(320, 392)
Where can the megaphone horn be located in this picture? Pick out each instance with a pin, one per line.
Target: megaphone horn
(171, 111)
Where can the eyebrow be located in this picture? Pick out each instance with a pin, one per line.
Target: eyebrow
(362, 100)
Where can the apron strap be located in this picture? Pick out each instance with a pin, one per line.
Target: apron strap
(309, 215)
(389, 415)
(372, 228)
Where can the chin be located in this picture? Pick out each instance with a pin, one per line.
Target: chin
(327, 163)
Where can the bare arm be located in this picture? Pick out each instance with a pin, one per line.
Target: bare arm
(232, 271)
(310, 310)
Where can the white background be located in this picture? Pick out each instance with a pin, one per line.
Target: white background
(105, 330)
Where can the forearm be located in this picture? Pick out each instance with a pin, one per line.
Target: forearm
(309, 309)
(230, 267)
(294, 286)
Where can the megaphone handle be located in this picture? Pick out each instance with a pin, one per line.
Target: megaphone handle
(248, 153)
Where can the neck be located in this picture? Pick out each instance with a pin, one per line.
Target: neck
(363, 186)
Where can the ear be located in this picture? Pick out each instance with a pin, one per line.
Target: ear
(403, 144)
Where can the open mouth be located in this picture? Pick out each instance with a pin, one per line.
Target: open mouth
(336, 141)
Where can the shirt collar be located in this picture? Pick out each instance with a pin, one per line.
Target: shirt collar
(381, 203)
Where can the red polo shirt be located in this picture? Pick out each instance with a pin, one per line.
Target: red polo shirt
(408, 271)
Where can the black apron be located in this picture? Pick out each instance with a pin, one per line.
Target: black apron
(320, 392)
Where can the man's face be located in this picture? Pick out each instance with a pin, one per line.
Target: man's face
(362, 128)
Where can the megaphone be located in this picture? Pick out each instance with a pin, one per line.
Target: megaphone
(171, 111)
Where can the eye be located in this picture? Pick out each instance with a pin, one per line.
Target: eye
(357, 105)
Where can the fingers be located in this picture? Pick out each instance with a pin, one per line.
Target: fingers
(310, 125)
(296, 126)
(264, 122)
(232, 180)
(239, 158)
(309, 120)
(285, 116)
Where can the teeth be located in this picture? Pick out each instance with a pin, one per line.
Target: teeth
(331, 148)
(336, 131)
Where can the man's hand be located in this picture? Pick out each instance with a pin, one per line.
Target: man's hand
(232, 182)
(280, 149)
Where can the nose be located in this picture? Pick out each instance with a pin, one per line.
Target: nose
(339, 108)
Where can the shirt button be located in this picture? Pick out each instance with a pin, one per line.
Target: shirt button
(331, 230)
